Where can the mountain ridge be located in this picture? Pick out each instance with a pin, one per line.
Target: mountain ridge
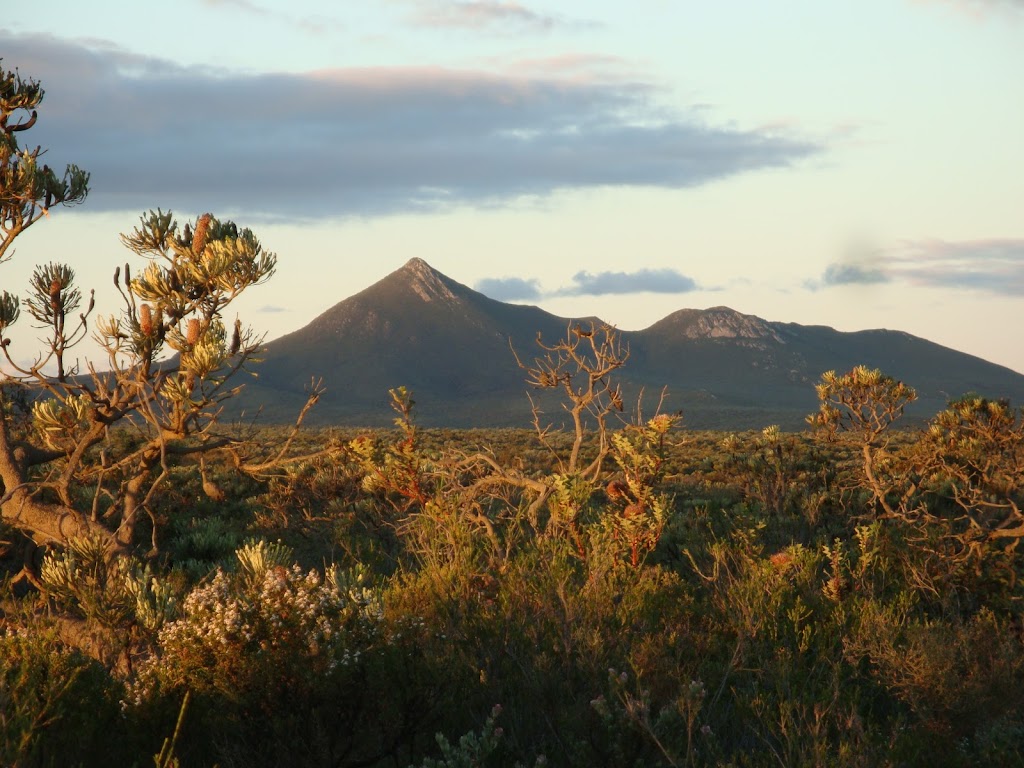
(456, 350)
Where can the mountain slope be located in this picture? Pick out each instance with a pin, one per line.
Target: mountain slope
(721, 357)
(416, 328)
(452, 347)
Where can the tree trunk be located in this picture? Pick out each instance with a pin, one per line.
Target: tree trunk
(47, 523)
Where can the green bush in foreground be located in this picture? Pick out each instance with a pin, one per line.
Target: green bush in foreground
(57, 706)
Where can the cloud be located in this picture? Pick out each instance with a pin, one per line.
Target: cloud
(578, 66)
(979, 9)
(492, 15)
(272, 309)
(244, 6)
(640, 281)
(509, 288)
(852, 274)
(316, 25)
(361, 141)
(988, 265)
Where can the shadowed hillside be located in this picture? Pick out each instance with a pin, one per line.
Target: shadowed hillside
(452, 346)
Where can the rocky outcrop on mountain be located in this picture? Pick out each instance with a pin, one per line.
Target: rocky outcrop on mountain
(715, 323)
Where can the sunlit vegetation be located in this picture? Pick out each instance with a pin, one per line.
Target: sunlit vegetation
(600, 588)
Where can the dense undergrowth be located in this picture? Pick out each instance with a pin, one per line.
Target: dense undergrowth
(707, 599)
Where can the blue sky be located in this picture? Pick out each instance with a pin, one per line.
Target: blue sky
(853, 164)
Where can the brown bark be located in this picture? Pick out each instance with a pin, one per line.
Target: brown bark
(47, 523)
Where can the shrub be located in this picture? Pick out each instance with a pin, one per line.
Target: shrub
(57, 707)
(273, 656)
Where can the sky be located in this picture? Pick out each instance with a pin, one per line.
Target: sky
(851, 163)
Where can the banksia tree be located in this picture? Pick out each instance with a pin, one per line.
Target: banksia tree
(581, 366)
(862, 404)
(169, 366)
(28, 189)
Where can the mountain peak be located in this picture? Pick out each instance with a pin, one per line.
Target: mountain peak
(718, 323)
(427, 282)
(417, 265)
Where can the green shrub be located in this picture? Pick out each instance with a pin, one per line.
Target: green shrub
(57, 707)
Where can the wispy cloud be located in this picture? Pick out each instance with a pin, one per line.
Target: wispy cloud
(312, 25)
(568, 66)
(853, 274)
(981, 9)
(992, 265)
(501, 16)
(245, 6)
(272, 309)
(989, 265)
(362, 141)
(509, 288)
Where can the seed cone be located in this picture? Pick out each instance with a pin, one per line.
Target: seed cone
(236, 337)
(158, 322)
(146, 320)
(201, 233)
(632, 510)
(617, 489)
(55, 294)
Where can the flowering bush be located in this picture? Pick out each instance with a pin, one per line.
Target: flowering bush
(272, 655)
(240, 634)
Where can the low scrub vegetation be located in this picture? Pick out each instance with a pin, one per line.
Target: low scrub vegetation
(644, 596)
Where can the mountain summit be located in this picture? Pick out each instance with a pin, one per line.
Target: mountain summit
(453, 347)
(715, 323)
(416, 328)
(428, 283)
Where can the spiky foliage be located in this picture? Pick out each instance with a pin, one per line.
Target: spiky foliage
(862, 404)
(28, 188)
(66, 478)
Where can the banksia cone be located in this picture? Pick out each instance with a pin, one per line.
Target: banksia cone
(55, 294)
(158, 322)
(193, 332)
(201, 233)
(146, 320)
(781, 560)
(661, 423)
(616, 489)
(236, 337)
